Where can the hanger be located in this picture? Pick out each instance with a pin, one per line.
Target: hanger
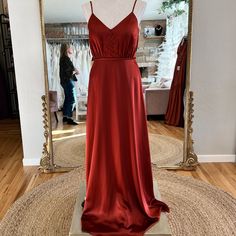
(185, 38)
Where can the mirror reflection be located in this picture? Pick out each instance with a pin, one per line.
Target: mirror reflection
(161, 56)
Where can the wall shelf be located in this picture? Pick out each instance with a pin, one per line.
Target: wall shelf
(155, 37)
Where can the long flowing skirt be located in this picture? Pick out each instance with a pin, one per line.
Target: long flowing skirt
(119, 185)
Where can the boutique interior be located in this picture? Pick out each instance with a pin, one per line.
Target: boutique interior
(162, 59)
(43, 173)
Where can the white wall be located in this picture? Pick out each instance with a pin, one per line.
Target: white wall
(213, 76)
(57, 11)
(26, 39)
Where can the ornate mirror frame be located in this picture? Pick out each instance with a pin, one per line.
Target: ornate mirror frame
(190, 160)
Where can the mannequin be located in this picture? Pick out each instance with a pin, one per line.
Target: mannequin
(113, 12)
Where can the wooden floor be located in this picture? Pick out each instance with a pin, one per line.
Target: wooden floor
(15, 179)
(61, 130)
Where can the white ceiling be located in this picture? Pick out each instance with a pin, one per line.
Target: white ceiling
(62, 11)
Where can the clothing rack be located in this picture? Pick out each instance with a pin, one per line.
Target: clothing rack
(81, 39)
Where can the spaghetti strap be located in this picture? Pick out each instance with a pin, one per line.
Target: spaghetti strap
(134, 5)
(91, 6)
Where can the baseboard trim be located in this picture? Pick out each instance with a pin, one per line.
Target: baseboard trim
(216, 158)
(31, 162)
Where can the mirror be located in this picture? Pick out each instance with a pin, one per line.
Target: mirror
(163, 57)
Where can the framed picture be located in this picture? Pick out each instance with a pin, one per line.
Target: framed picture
(149, 31)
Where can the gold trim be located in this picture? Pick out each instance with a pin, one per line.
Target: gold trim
(190, 160)
(189, 157)
(47, 113)
(45, 162)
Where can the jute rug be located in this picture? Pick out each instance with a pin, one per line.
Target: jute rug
(164, 151)
(197, 208)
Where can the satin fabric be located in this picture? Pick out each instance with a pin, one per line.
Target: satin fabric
(175, 109)
(119, 185)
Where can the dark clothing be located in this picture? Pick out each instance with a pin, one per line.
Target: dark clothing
(67, 79)
(66, 70)
(69, 102)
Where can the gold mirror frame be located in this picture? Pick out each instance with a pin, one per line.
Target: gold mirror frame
(190, 160)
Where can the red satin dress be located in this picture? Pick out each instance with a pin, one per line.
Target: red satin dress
(119, 184)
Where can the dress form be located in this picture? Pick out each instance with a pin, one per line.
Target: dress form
(112, 12)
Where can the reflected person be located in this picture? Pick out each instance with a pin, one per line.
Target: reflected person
(67, 79)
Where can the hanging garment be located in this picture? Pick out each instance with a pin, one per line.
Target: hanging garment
(56, 82)
(85, 67)
(119, 185)
(175, 109)
(49, 64)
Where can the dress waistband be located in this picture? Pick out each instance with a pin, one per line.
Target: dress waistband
(112, 58)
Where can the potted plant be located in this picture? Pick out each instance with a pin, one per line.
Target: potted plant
(173, 8)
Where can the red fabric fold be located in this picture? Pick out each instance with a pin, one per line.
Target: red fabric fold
(119, 184)
(175, 109)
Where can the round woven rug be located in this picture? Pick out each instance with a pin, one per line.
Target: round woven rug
(164, 151)
(196, 208)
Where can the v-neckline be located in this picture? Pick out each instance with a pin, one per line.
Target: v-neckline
(113, 28)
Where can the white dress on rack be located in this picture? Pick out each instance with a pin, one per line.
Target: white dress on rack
(56, 85)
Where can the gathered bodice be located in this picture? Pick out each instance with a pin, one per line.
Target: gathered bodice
(119, 42)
